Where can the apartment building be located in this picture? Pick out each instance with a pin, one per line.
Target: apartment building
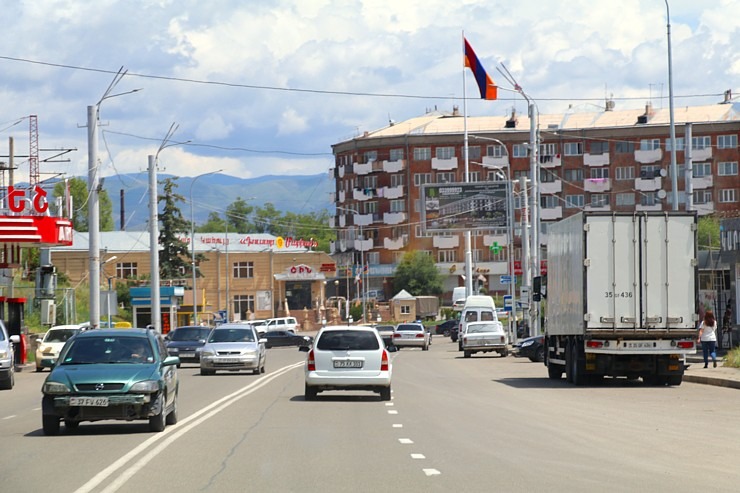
(613, 160)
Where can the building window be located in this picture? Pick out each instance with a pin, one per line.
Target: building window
(125, 270)
(495, 151)
(422, 153)
(648, 198)
(573, 175)
(727, 168)
(548, 176)
(548, 149)
(573, 148)
(649, 144)
(244, 305)
(701, 169)
(473, 176)
(445, 152)
(549, 201)
(625, 173)
(371, 156)
(728, 195)
(680, 144)
(396, 180)
(422, 178)
(625, 199)
(521, 174)
(599, 173)
(698, 143)
(369, 183)
(494, 176)
(398, 256)
(649, 171)
(599, 199)
(396, 155)
(726, 141)
(405, 309)
(520, 150)
(702, 196)
(372, 258)
(574, 202)
(398, 205)
(474, 152)
(622, 147)
(446, 177)
(243, 270)
(598, 147)
(446, 256)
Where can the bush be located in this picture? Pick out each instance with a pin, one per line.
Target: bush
(733, 358)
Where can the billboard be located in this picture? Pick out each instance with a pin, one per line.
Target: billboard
(457, 207)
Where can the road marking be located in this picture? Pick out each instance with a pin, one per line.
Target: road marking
(388, 404)
(392, 411)
(431, 472)
(398, 426)
(405, 441)
(170, 434)
(36, 409)
(417, 456)
(9, 417)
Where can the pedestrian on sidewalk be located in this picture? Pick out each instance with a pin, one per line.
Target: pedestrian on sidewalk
(708, 338)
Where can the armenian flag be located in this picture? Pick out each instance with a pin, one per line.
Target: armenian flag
(485, 84)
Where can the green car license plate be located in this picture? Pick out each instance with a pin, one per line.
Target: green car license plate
(89, 401)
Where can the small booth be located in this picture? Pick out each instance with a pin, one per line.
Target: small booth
(169, 296)
(403, 307)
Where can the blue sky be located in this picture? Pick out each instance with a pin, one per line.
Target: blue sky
(266, 87)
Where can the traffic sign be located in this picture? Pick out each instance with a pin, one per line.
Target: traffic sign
(507, 302)
(506, 279)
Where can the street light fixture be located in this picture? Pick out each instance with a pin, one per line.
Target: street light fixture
(110, 259)
(363, 282)
(192, 245)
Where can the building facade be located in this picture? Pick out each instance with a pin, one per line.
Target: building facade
(606, 161)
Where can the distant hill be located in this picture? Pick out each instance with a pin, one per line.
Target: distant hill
(213, 193)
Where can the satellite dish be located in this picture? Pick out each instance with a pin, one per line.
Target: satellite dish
(663, 173)
(661, 194)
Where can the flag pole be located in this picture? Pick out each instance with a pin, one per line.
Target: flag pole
(468, 252)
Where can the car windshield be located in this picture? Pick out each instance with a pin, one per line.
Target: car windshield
(60, 335)
(361, 340)
(190, 333)
(232, 335)
(479, 328)
(410, 327)
(109, 349)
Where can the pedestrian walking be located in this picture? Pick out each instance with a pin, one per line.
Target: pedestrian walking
(708, 338)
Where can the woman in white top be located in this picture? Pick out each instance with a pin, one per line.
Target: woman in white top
(708, 338)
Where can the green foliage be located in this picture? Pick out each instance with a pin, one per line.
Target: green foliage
(237, 214)
(708, 233)
(355, 311)
(733, 358)
(173, 253)
(418, 274)
(78, 190)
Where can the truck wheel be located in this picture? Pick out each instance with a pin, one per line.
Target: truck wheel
(568, 362)
(675, 380)
(579, 377)
(554, 372)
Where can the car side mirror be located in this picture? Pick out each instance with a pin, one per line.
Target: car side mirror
(171, 360)
(303, 349)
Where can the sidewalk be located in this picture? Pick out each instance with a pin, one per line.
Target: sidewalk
(721, 376)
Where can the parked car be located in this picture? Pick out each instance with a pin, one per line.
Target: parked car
(477, 309)
(48, 347)
(233, 347)
(445, 327)
(348, 358)
(186, 342)
(282, 323)
(386, 333)
(484, 337)
(412, 335)
(7, 357)
(277, 338)
(532, 348)
(123, 374)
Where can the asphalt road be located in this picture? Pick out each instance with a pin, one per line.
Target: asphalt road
(480, 424)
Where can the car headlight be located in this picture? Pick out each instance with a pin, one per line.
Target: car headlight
(145, 386)
(54, 388)
(207, 352)
(527, 343)
(250, 353)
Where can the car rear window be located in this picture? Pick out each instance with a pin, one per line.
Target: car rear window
(60, 335)
(358, 340)
(409, 327)
(190, 333)
(479, 328)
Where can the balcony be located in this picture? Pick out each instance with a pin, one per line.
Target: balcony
(597, 185)
(333, 222)
(551, 213)
(444, 164)
(395, 243)
(548, 161)
(394, 166)
(342, 221)
(704, 209)
(702, 182)
(362, 194)
(392, 192)
(648, 184)
(446, 242)
(338, 246)
(363, 168)
(364, 245)
(340, 171)
(363, 219)
(489, 240)
(596, 159)
(500, 162)
(654, 207)
(394, 217)
(701, 154)
(598, 208)
(551, 187)
(648, 156)
(342, 196)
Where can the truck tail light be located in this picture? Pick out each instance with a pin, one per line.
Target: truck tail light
(310, 362)
(595, 344)
(384, 361)
(686, 344)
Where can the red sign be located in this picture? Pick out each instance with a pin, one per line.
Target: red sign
(518, 267)
(328, 267)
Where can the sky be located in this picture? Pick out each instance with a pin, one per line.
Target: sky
(266, 87)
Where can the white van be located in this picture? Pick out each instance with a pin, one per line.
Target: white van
(282, 323)
(458, 298)
(477, 308)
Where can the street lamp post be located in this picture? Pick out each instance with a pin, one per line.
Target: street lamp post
(674, 170)
(107, 298)
(192, 245)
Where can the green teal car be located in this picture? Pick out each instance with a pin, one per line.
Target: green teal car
(111, 374)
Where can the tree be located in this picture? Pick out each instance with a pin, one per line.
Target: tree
(708, 233)
(214, 224)
(267, 220)
(173, 251)
(418, 274)
(79, 193)
(237, 214)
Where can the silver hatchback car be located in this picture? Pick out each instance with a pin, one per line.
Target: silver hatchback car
(348, 358)
(233, 347)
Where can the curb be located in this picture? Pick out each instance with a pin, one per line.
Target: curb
(719, 382)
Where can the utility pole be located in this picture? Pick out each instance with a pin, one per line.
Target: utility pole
(534, 306)
(156, 314)
(93, 215)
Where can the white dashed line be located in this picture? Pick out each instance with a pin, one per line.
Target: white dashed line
(398, 425)
(418, 456)
(405, 441)
(392, 411)
(389, 404)
(9, 417)
(431, 472)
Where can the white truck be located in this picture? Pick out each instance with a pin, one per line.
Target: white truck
(621, 296)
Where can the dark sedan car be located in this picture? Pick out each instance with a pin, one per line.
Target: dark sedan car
(446, 327)
(532, 348)
(184, 342)
(277, 338)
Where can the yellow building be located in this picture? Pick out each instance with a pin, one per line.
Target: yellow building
(244, 275)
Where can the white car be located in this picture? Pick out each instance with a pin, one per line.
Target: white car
(412, 335)
(47, 349)
(282, 323)
(485, 337)
(346, 357)
(7, 357)
(233, 347)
